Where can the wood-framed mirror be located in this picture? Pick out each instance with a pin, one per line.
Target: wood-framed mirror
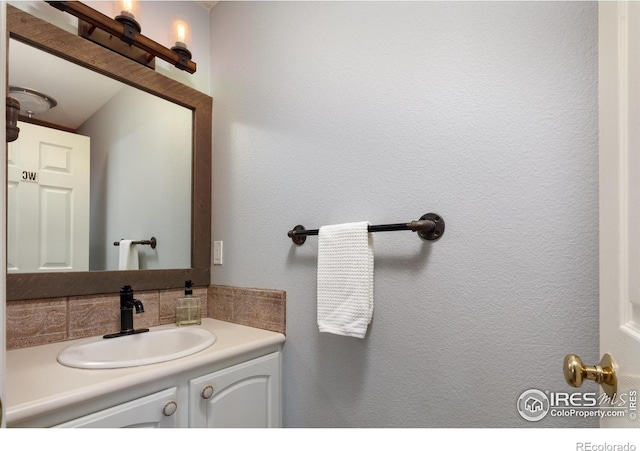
(35, 32)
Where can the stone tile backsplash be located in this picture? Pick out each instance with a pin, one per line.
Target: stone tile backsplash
(255, 307)
(42, 321)
(36, 322)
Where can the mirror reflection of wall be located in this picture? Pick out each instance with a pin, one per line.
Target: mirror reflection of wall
(141, 158)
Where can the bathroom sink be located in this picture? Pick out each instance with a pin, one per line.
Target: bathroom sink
(155, 346)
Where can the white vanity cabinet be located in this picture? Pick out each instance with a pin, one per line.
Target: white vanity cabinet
(236, 382)
(245, 396)
(159, 410)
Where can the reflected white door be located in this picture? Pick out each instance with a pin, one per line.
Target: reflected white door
(48, 201)
(619, 92)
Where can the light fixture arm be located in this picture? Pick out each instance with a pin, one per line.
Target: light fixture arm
(117, 29)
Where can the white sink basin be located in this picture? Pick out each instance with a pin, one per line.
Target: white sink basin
(135, 350)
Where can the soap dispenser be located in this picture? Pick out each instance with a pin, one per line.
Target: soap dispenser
(188, 310)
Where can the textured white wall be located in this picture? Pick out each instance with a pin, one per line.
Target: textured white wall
(486, 113)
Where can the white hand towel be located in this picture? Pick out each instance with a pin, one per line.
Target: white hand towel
(345, 279)
(128, 255)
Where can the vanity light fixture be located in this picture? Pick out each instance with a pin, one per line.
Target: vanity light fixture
(125, 13)
(101, 29)
(181, 35)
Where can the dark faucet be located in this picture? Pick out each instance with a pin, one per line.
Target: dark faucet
(127, 304)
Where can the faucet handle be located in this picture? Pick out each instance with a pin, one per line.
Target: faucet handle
(126, 296)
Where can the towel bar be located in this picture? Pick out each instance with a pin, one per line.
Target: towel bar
(152, 242)
(430, 227)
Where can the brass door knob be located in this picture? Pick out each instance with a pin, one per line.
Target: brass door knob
(604, 373)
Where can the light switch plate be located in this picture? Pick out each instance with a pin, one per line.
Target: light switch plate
(217, 252)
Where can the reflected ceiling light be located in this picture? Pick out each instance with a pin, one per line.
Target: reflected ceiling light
(101, 29)
(31, 101)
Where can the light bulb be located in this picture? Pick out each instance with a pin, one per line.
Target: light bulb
(128, 8)
(180, 33)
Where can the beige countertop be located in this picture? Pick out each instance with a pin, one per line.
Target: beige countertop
(37, 383)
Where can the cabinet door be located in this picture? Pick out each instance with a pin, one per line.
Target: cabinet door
(245, 395)
(153, 411)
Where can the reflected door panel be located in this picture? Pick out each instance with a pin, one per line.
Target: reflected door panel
(48, 202)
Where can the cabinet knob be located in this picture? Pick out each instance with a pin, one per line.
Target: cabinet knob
(207, 392)
(169, 408)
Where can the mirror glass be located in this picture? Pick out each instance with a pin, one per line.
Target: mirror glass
(136, 178)
(25, 28)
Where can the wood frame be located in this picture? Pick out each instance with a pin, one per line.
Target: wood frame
(45, 36)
